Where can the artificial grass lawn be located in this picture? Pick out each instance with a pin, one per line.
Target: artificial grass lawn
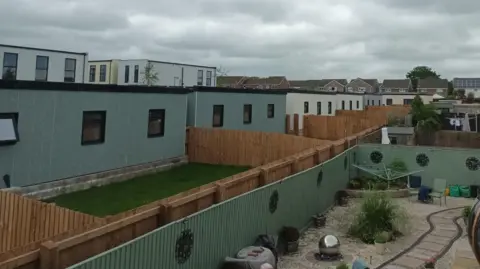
(122, 196)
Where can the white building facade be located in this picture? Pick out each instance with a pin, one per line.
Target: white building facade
(132, 72)
(35, 64)
(310, 103)
(350, 101)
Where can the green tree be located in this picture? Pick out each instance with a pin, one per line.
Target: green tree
(470, 98)
(150, 76)
(450, 89)
(426, 120)
(421, 72)
(460, 93)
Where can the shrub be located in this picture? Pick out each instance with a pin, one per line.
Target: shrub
(380, 185)
(342, 266)
(377, 213)
(467, 211)
(354, 184)
(381, 237)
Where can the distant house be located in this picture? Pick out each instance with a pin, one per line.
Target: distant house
(276, 82)
(39, 64)
(433, 86)
(334, 85)
(103, 72)
(469, 85)
(230, 81)
(403, 98)
(237, 109)
(350, 101)
(396, 85)
(362, 85)
(304, 102)
(309, 85)
(132, 72)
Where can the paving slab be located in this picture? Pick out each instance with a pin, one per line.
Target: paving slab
(418, 254)
(395, 266)
(409, 262)
(437, 239)
(444, 233)
(430, 246)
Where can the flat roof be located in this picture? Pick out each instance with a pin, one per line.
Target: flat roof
(235, 90)
(81, 87)
(154, 61)
(50, 50)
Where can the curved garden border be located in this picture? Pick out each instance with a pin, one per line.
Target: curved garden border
(400, 193)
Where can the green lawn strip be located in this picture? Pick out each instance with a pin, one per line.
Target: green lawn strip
(118, 197)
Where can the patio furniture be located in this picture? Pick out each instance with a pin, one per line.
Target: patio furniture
(413, 185)
(438, 190)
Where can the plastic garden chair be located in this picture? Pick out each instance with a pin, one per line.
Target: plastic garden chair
(438, 191)
(413, 184)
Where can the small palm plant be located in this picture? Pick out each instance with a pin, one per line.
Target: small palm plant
(150, 76)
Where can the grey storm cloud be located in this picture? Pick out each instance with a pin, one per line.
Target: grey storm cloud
(302, 39)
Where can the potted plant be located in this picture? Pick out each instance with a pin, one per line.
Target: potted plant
(342, 266)
(319, 220)
(380, 241)
(466, 213)
(430, 263)
(341, 198)
(291, 236)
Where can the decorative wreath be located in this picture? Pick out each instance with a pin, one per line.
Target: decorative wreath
(184, 246)
(472, 163)
(345, 163)
(422, 159)
(376, 156)
(273, 202)
(319, 178)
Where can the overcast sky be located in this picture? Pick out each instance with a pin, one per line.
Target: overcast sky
(302, 39)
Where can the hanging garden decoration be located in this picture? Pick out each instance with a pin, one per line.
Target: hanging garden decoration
(273, 202)
(184, 246)
(422, 159)
(376, 156)
(472, 163)
(319, 178)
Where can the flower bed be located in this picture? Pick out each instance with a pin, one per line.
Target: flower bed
(395, 193)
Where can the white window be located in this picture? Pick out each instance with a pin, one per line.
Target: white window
(423, 90)
(402, 90)
(8, 128)
(350, 89)
(200, 78)
(361, 89)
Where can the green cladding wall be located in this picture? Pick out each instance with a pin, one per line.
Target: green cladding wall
(223, 229)
(445, 163)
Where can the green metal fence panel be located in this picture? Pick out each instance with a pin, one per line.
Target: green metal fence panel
(451, 164)
(223, 229)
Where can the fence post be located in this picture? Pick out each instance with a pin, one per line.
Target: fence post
(296, 129)
(162, 214)
(295, 166)
(305, 130)
(49, 255)
(263, 177)
(220, 192)
(287, 124)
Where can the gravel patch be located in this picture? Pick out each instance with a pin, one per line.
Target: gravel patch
(338, 221)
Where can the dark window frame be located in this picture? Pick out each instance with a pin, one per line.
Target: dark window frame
(306, 107)
(343, 104)
(14, 117)
(102, 122)
(319, 108)
(358, 104)
(69, 79)
(156, 114)
(270, 111)
(92, 75)
(126, 74)
(208, 78)
(136, 70)
(9, 66)
(329, 108)
(40, 69)
(247, 108)
(221, 110)
(200, 77)
(104, 73)
(389, 100)
(350, 104)
(379, 102)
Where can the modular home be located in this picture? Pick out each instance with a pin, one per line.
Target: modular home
(237, 109)
(55, 131)
(350, 101)
(141, 72)
(36, 64)
(103, 72)
(389, 99)
(308, 102)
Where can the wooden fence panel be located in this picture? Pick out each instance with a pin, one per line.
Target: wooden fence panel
(24, 221)
(246, 148)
